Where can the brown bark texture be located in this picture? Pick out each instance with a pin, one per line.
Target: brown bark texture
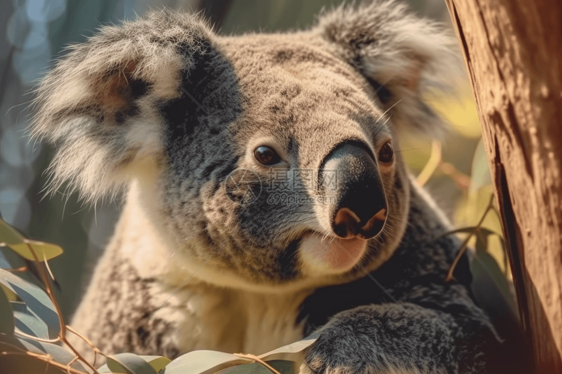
(513, 53)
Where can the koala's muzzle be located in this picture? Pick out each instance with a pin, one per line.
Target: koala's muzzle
(360, 208)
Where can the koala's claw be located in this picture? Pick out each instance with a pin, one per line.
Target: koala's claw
(338, 356)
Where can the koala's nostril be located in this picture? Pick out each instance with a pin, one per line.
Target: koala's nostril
(348, 225)
(360, 209)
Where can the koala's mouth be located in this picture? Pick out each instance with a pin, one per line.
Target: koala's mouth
(331, 254)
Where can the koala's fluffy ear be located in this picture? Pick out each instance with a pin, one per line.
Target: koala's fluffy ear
(403, 57)
(99, 103)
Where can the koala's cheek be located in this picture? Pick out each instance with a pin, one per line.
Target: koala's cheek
(330, 255)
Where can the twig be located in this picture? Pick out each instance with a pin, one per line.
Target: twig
(461, 180)
(45, 358)
(27, 336)
(464, 245)
(94, 348)
(70, 363)
(62, 333)
(21, 269)
(258, 360)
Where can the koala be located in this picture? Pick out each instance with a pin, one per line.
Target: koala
(265, 196)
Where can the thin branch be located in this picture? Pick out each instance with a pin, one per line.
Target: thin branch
(21, 269)
(258, 360)
(78, 355)
(62, 334)
(45, 358)
(464, 245)
(94, 348)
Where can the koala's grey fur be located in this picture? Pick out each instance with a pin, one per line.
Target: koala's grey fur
(167, 109)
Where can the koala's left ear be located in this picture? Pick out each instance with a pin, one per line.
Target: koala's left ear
(101, 104)
(403, 57)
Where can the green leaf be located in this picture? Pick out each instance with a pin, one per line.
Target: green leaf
(11, 295)
(7, 323)
(489, 232)
(28, 322)
(157, 362)
(42, 250)
(206, 362)
(4, 263)
(9, 235)
(129, 363)
(34, 298)
(481, 242)
(490, 287)
(291, 349)
(480, 175)
(9, 259)
(203, 362)
(282, 366)
(58, 353)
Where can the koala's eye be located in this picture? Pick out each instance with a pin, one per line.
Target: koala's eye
(266, 155)
(386, 153)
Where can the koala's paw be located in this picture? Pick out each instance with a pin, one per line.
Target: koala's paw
(341, 350)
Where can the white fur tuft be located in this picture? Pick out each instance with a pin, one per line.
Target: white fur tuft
(80, 102)
(410, 56)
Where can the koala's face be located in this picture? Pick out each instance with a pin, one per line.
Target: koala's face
(276, 155)
(287, 168)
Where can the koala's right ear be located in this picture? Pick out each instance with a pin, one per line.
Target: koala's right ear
(99, 104)
(403, 57)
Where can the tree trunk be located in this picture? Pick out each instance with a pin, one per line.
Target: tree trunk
(513, 52)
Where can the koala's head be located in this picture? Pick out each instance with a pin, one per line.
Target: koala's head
(273, 154)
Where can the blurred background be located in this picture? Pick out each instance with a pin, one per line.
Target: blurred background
(33, 34)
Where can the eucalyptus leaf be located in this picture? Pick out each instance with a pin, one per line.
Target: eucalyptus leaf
(203, 362)
(488, 232)
(9, 293)
(480, 174)
(34, 298)
(282, 366)
(9, 235)
(4, 263)
(58, 353)
(9, 259)
(481, 242)
(129, 363)
(7, 323)
(43, 251)
(29, 323)
(291, 349)
(157, 362)
(490, 287)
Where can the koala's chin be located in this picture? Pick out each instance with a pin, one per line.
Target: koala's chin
(331, 255)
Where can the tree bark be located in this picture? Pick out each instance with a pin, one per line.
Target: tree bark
(513, 52)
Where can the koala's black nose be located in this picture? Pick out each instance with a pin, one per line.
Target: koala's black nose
(360, 202)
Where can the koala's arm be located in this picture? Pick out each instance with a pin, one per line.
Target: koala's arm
(402, 338)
